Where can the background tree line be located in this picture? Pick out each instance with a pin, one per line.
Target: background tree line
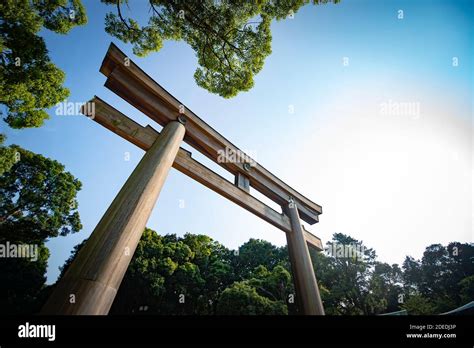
(194, 274)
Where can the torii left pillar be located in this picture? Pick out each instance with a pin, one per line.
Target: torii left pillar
(92, 280)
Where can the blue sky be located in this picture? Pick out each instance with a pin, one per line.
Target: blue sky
(397, 182)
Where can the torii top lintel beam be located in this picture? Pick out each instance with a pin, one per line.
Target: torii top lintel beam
(131, 83)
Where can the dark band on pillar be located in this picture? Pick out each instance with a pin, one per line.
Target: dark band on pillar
(182, 119)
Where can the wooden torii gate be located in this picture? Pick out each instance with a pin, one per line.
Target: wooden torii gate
(92, 280)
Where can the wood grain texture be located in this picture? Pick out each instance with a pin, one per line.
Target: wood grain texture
(128, 81)
(95, 275)
(306, 285)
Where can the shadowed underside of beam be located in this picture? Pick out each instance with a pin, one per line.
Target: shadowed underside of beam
(144, 137)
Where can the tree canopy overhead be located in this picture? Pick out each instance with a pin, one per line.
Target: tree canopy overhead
(29, 81)
(231, 38)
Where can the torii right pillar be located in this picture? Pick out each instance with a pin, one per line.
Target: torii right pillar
(306, 286)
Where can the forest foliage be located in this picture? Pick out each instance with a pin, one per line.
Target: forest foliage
(194, 274)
